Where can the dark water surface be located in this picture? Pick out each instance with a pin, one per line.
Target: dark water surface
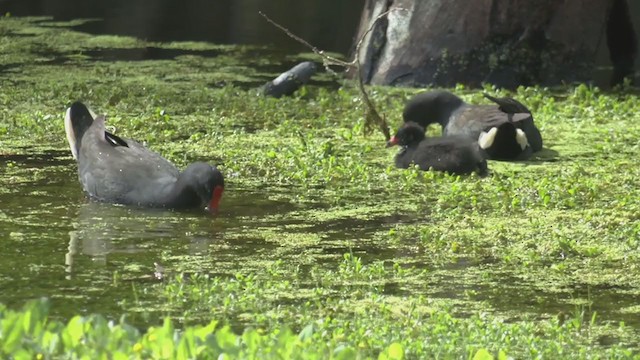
(328, 24)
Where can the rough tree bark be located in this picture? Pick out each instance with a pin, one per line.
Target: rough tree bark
(504, 42)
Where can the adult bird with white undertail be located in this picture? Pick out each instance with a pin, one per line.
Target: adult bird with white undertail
(122, 171)
(515, 136)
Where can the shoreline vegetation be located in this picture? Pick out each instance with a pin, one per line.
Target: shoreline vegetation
(537, 260)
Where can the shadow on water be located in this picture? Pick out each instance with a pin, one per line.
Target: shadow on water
(145, 53)
(543, 156)
(473, 285)
(328, 24)
(360, 235)
(40, 160)
(8, 67)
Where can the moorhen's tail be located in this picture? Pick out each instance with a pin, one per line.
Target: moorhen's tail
(505, 142)
(76, 122)
(524, 122)
(508, 105)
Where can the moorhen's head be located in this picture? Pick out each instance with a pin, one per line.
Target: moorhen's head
(431, 107)
(409, 133)
(206, 182)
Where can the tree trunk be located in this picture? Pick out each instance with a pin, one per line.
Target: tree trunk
(504, 42)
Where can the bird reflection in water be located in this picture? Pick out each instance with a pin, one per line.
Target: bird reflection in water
(112, 234)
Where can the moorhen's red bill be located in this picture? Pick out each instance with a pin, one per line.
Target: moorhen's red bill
(517, 136)
(122, 171)
(456, 154)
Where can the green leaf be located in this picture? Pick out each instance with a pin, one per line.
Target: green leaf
(35, 316)
(204, 331)
(251, 339)
(50, 341)
(306, 333)
(120, 355)
(74, 330)
(186, 347)
(392, 352)
(483, 354)
(396, 351)
(22, 354)
(344, 353)
(226, 339)
(12, 327)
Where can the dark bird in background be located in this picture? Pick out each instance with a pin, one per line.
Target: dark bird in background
(516, 137)
(456, 154)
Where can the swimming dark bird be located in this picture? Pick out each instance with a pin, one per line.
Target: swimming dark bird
(122, 171)
(516, 138)
(456, 154)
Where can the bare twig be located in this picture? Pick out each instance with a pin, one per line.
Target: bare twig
(327, 60)
(372, 117)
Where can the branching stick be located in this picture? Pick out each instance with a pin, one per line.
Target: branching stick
(372, 117)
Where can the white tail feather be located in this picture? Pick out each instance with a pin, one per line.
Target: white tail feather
(521, 138)
(71, 136)
(486, 138)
